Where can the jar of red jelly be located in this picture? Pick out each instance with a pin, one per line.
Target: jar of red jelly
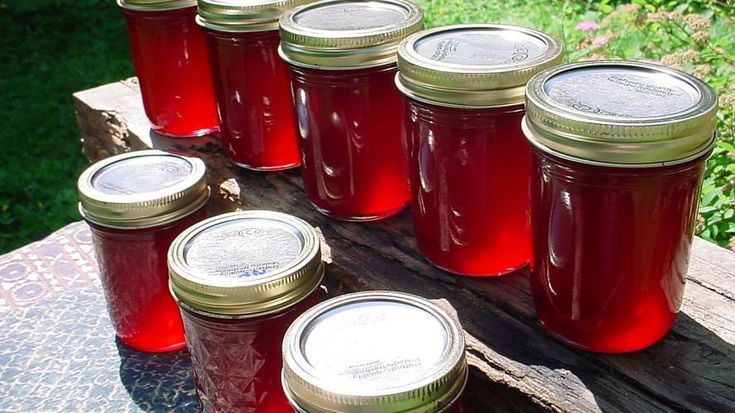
(619, 153)
(375, 352)
(252, 87)
(135, 205)
(240, 280)
(469, 162)
(170, 59)
(341, 57)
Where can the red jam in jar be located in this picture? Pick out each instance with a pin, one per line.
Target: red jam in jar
(240, 280)
(251, 83)
(469, 162)
(374, 352)
(341, 59)
(136, 204)
(619, 153)
(170, 59)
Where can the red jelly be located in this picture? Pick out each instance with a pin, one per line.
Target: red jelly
(341, 58)
(251, 83)
(136, 204)
(240, 280)
(375, 351)
(470, 164)
(620, 149)
(170, 59)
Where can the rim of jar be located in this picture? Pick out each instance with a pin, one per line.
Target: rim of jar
(433, 392)
(239, 17)
(354, 48)
(465, 85)
(145, 209)
(586, 133)
(156, 5)
(222, 296)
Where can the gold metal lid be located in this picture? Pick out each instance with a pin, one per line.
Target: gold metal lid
(343, 34)
(374, 352)
(244, 15)
(156, 5)
(142, 189)
(474, 65)
(621, 114)
(245, 264)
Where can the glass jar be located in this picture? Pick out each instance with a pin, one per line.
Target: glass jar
(135, 205)
(469, 163)
(170, 59)
(250, 80)
(240, 280)
(341, 59)
(374, 352)
(619, 153)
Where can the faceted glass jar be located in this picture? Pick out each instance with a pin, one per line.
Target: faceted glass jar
(619, 154)
(135, 205)
(469, 162)
(240, 280)
(170, 59)
(341, 61)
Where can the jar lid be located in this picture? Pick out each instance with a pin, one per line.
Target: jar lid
(142, 189)
(341, 34)
(623, 114)
(374, 352)
(244, 15)
(474, 65)
(156, 5)
(245, 264)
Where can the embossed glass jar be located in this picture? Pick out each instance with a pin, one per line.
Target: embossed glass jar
(341, 59)
(240, 280)
(374, 352)
(135, 205)
(170, 59)
(470, 164)
(250, 81)
(619, 153)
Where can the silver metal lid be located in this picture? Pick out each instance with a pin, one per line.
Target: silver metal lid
(342, 34)
(474, 65)
(156, 5)
(624, 114)
(244, 15)
(245, 264)
(142, 189)
(373, 352)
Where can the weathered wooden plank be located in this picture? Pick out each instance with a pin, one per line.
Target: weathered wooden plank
(515, 364)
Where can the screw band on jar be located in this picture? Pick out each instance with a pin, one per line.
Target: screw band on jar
(474, 65)
(245, 264)
(374, 351)
(156, 5)
(620, 114)
(142, 189)
(343, 34)
(239, 16)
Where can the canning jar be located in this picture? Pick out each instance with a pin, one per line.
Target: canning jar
(170, 59)
(135, 205)
(374, 351)
(240, 280)
(341, 60)
(469, 162)
(250, 81)
(619, 153)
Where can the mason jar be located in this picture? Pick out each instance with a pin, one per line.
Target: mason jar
(253, 91)
(469, 162)
(170, 59)
(341, 58)
(135, 205)
(374, 352)
(619, 153)
(240, 280)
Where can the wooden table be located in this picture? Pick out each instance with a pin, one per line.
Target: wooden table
(515, 365)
